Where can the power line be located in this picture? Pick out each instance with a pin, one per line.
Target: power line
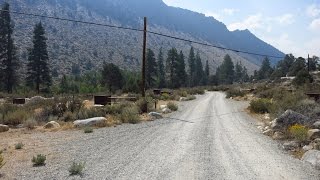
(140, 30)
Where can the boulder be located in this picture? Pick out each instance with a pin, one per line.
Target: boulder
(313, 134)
(155, 115)
(288, 119)
(316, 125)
(307, 147)
(3, 128)
(268, 132)
(278, 136)
(289, 146)
(312, 157)
(166, 111)
(183, 99)
(163, 107)
(52, 125)
(89, 122)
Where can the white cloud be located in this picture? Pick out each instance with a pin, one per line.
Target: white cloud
(313, 10)
(315, 25)
(285, 19)
(252, 22)
(229, 12)
(215, 15)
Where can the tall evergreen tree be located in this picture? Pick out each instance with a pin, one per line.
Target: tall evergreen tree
(8, 57)
(265, 70)
(172, 68)
(111, 77)
(151, 69)
(38, 71)
(225, 72)
(199, 71)
(298, 65)
(283, 67)
(192, 67)
(238, 72)
(206, 73)
(245, 76)
(161, 70)
(181, 71)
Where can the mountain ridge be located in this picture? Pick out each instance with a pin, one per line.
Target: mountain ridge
(89, 46)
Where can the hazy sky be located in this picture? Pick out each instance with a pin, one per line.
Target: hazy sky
(292, 26)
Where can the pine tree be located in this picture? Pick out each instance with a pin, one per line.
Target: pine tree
(111, 77)
(225, 72)
(238, 72)
(245, 77)
(64, 85)
(181, 71)
(283, 67)
(206, 73)
(265, 70)
(151, 69)
(297, 66)
(199, 71)
(38, 71)
(161, 71)
(172, 67)
(8, 57)
(192, 67)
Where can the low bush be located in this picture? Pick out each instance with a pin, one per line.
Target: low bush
(88, 130)
(85, 113)
(76, 168)
(68, 116)
(234, 93)
(260, 105)
(299, 132)
(195, 91)
(145, 104)
(165, 96)
(19, 146)
(39, 160)
(30, 123)
(130, 115)
(172, 106)
(16, 117)
(191, 97)
(114, 109)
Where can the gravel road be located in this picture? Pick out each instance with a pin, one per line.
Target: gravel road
(208, 138)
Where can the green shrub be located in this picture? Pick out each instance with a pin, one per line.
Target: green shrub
(114, 109)
(234, 93)
(76, 168)
(68, 116)
(16, 117)
(299, 132)
(260, 105)
(19, 145)
(39, 160)
(165, 96)
(88, 130)
(195, 91)
(2, 163)
(172, 106)
(145, 104)
(130, 115)
(30, 123)
(85, 113)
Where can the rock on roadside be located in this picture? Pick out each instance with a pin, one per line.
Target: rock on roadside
(166, 111)
(4, 128)
(52, 125)
(313, 134)
(313, 157)
(289, 146)
(155, 115)
(89, 122)
(288, 119)
(316, 125)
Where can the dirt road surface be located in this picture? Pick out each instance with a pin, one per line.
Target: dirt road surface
(208, 138)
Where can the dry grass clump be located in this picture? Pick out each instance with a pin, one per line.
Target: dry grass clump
(130, 115)
(172, 106)
(76, 169)
(260, 106)
(299, 132)
(39, 160)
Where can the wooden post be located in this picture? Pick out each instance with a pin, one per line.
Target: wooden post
(308, 64)
(143, 86)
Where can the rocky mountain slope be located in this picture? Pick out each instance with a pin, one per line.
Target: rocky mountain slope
(88, 46)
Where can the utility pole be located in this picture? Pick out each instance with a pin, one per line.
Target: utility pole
(143, 86)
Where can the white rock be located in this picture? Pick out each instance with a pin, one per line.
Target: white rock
(268, 132)
(266, 128)
(155, 115)
(278, 136)
(163, 107)
(316, 124)
(313, 157)
(89, 122)
(307, 147)
(260, 127)
(183, 99)
(313, 133)
(166, 111)
(4, 128)
(292, 145)
(52, 125)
